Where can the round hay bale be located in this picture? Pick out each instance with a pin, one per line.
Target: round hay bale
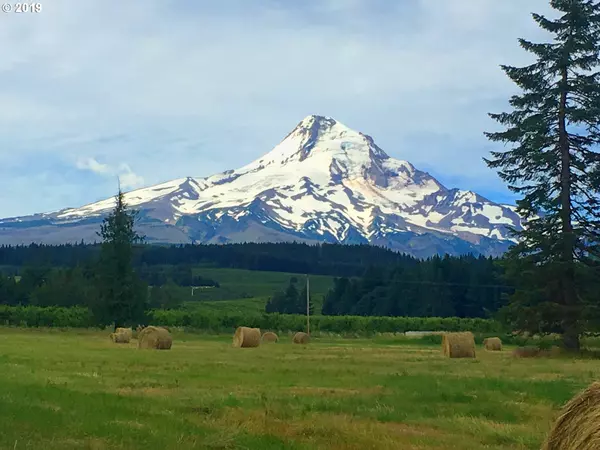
(458, 345)
(127, 331)
(525, 352)
(493, 344)
(155, 338)
(137, 331)
(270, 337)
(120, 338)
(301, 338)
(578, 426)
(245, 337)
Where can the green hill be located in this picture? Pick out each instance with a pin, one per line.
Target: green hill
(247, 291)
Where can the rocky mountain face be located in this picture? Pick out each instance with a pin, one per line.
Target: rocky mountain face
(323, 183)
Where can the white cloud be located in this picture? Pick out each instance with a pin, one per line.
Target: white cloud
(209, 86)
(127, 178)
(92, 165)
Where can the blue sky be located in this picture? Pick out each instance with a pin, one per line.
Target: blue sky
(152, 90)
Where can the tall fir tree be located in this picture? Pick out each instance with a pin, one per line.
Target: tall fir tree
(553, 132)
(122, 296)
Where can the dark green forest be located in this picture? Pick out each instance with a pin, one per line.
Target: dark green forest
(370, 281)
(437, 287)
(325, 259)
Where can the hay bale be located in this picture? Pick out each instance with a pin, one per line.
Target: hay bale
(119, 338)
(246, 337)
(137, 331)
(155, 338)
(127, 331)
(301, 338)
(493, 344)
(525, 352)
(578, 426)
(270, 337)
(458, 345)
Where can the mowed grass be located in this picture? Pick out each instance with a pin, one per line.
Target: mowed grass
(77, 390)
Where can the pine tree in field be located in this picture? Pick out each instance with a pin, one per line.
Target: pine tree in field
(122, 296)
(552, 162)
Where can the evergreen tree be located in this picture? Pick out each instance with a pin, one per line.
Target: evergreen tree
(167, 296)
(63, 287)
(332, 300)
(552, 132)
(8, 290)
(276, 303)
(289, 301)
(122, 295)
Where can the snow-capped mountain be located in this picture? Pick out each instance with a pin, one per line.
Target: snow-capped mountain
(323, 183)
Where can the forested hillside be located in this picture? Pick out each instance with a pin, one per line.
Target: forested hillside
(325, 259)
(369, 281)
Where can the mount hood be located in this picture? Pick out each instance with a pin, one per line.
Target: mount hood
(323, 183)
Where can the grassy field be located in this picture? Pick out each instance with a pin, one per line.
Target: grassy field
(247, 291)
(77, 390)
(255, 305)
(242, 305)
(239, 284)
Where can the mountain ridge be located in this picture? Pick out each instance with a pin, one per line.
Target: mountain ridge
(324, 182)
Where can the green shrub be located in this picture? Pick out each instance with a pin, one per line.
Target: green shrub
(348, 325)
(78, 317)
(431, 339)
(34, 316)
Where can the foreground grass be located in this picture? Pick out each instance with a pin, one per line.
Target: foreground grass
(77, 390)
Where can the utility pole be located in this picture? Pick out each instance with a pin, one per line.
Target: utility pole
(307, 305)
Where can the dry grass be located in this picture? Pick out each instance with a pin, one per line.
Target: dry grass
(526, 352)
(458, 345)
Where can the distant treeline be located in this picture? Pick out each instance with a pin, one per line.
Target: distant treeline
(324, 259)
(371, 281)
(437, 287)
(46, 286)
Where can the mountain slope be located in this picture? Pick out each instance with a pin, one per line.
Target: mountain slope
(323, 182)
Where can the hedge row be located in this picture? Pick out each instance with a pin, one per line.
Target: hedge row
(32, 316)
(333, 324)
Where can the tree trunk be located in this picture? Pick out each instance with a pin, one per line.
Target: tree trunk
(569, 293)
